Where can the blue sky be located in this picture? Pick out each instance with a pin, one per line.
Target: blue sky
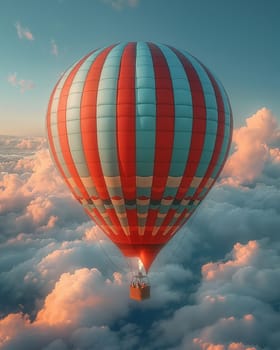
(238, 40)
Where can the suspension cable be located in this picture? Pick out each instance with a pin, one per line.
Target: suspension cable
(118, 268)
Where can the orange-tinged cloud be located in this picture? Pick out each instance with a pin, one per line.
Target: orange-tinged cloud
(73, 293)
(38, 208)
(240, 346)
(253, 148)
(248, 317)
(79, 300)
(242, 255)
(207, 346)
(94, 233)
(33, 178)
(210, 346)
(81, 295)
(215, 299)
(11, 325)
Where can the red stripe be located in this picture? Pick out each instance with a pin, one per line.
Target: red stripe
(88, 124)
(226, 154)
(50, 137)
(52, 148)
(125, 131)
(62, 129)
(179, 220)
(146, 252)
(89, 132)
(170, 214)
(219, 135)
(99, 220)
(51, 143)
(165, 120)
(178, 224)
(198, 127)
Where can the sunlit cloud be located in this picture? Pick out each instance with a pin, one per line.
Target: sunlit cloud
(242, 256)
(23, 33)
(83, 296)
(255, 146)
(22, 84)
(199, 344)
(120, 4)
(54, 48)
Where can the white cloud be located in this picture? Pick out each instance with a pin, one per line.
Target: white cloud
(120, 4)
(54, 48)
(12, 79)
(27, 187)
(23, 33)
(22, 84)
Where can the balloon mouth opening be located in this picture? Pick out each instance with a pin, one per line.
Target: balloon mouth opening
(145, 252)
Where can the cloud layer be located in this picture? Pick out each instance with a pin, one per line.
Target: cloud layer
(63, 285)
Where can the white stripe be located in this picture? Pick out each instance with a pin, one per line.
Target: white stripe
(73, 123)
(54, 130)
(106, 129)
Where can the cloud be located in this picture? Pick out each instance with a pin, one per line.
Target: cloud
(63, 285)
(120, 4)
(252, 270)
(33, 144)
(22, 84)
(27, 187)
(208, 346)
(243, 255)
(256, 147)
(79, 310)
(54, 48)
(23, 33)
(235, 308)
(95, 338)
(84, 298)
(12, 79)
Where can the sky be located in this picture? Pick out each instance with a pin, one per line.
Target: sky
(237, 40)
(63, 285)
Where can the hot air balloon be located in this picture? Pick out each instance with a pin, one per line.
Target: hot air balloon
(139, 132)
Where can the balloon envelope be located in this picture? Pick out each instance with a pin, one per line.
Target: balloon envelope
(140, 132)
